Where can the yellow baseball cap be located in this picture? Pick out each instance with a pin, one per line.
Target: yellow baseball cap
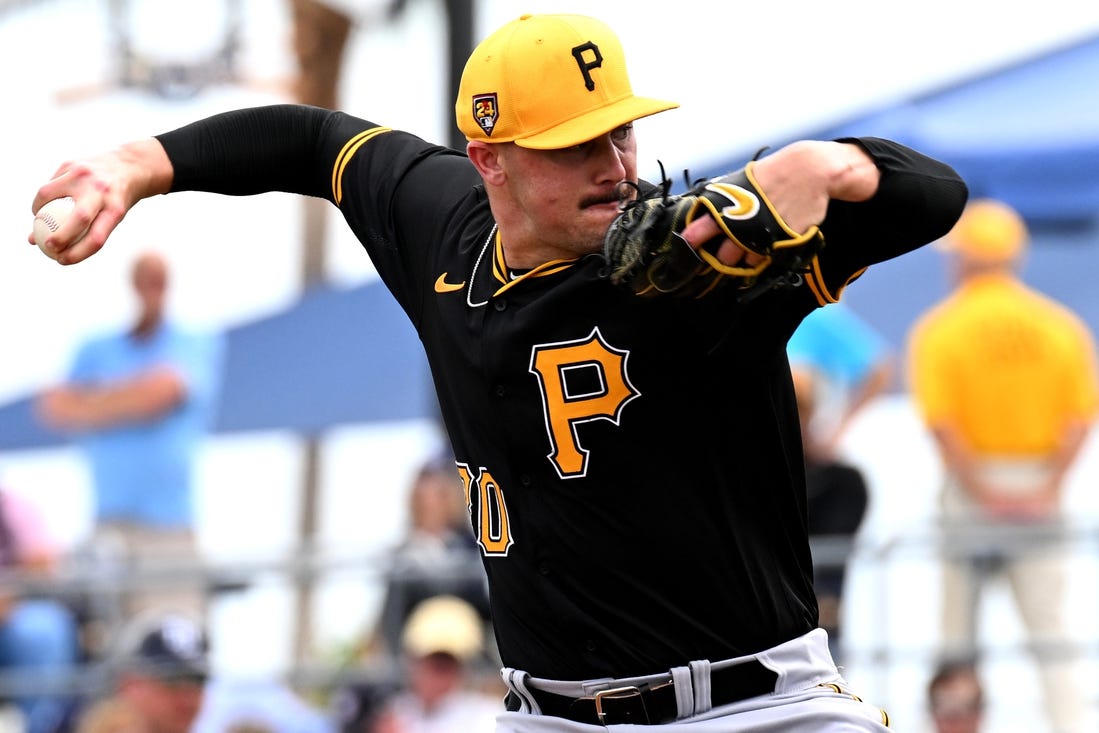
(548, 82)
(988, 230)
(444, 624)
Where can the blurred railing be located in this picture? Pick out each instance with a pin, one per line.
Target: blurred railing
(96, 584)
(874, 648)
(879, 650)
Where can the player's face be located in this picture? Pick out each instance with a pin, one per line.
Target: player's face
(150, 281)
(568, 196)
(169, 706)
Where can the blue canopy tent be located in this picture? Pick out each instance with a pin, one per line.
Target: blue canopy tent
(339, 356)
(1027, 134)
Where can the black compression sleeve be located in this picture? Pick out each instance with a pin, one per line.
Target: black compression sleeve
(250, 151)
(917, 201)
(918, 198)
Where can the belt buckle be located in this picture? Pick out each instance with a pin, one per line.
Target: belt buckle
(628, 691)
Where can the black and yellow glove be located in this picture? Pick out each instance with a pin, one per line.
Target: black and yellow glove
(647, 255)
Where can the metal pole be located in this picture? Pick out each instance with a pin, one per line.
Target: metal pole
(459, 46)
(320, 36)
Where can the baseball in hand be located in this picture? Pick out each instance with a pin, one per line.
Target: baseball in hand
(50, 218)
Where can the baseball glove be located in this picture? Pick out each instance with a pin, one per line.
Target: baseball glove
(647, 255)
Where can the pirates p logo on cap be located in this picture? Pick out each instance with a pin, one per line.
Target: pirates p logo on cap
(548, 82)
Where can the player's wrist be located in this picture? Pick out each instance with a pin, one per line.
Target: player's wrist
(854, 175)
(149, 170)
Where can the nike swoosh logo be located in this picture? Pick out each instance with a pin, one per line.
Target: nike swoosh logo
(744, 204)
(442, 286)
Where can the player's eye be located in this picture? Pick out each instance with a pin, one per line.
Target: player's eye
(622, 134)
(618, 135)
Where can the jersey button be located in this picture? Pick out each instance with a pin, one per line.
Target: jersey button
(525, 480)
(590, 645)
(500, 390)
(544, 568)
(500, 305)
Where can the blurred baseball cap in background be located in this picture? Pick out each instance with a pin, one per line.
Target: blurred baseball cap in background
(548, 82)
(168, 646)
(988, 230)
(356, 707)
(444, 625)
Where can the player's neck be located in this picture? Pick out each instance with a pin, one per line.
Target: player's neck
(145, 327)
(523, 254)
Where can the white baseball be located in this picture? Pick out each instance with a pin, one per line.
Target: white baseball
(50, 218)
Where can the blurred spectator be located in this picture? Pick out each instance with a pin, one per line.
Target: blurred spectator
(158, 669)
(113, 715)
(854, 362)
(437, 555)
(1005, 379)
(837, 498)
(955, 698)
(363, 707)
(443, 642)
(39, 634)
(141, 401)
(257, 705)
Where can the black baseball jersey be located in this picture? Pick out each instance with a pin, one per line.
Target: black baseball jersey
(633, 466)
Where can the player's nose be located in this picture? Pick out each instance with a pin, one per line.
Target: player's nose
(610, 160)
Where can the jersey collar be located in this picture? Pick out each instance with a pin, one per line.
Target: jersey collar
(505, 279)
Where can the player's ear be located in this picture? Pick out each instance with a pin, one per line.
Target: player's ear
(486, 159)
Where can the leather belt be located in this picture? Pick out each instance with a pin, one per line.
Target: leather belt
(649, 704)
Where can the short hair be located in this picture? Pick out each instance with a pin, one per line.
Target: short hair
(950, 670)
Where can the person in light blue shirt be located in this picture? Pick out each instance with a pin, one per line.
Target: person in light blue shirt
(140, 402)
(144, 466)
(853, 361)
(39, 631)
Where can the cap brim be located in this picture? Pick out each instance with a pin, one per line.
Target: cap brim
(592, 124)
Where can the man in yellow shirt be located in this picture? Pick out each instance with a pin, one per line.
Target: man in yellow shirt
(1005, 379)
